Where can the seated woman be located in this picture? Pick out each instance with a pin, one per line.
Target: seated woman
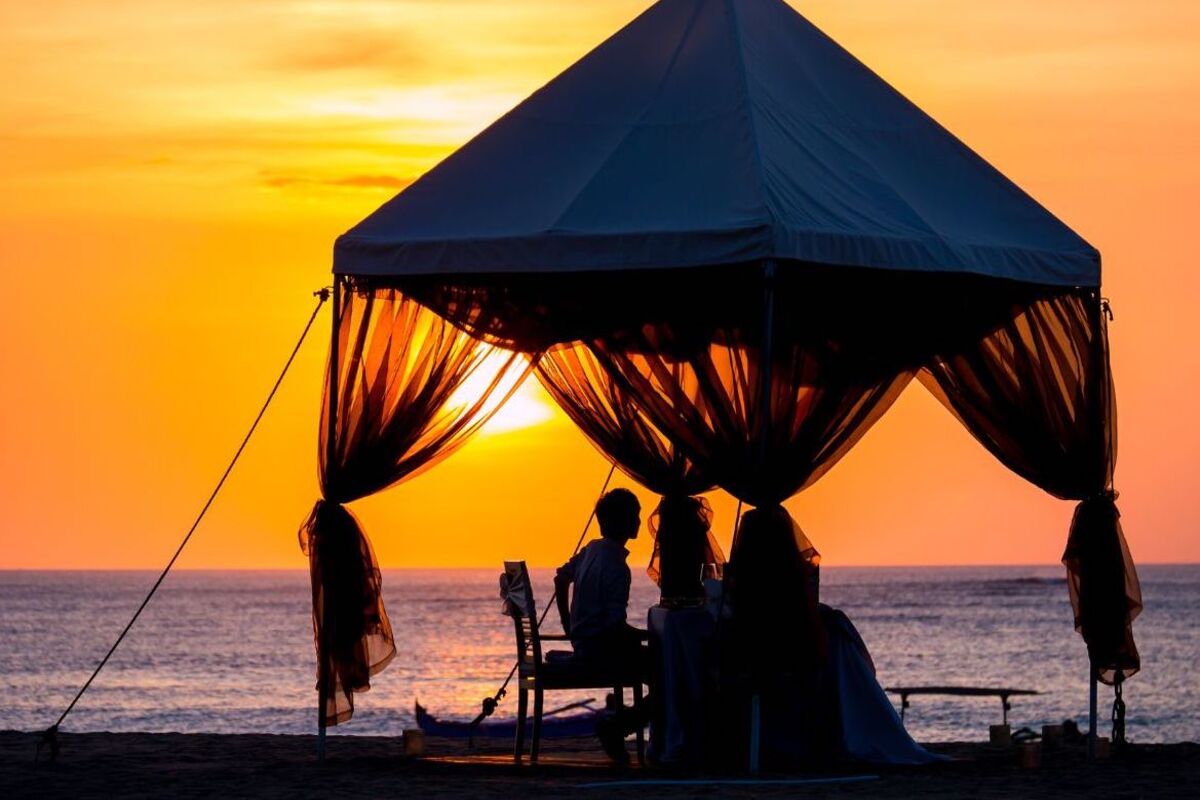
(682, 630)
(819, 695)
(868, 724)
(683, 545)
(774, 645)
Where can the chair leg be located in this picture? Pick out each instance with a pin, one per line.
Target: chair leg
(641, 729)
(537, 726)
(522, 710)
(619, 709)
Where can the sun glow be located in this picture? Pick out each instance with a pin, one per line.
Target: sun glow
(525, 405)
(178, 171)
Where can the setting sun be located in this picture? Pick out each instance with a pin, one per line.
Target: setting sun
(526, 405)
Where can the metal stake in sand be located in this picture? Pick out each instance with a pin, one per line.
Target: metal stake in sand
(1092, 703)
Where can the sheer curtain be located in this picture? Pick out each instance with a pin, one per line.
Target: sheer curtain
(762, 433)
(618, 429)
(405, 390)
(1037, 393)
(690, 394)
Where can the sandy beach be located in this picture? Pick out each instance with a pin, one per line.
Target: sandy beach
(203, 765)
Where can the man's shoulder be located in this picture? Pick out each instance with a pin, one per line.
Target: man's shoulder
(610, 547)
(584, 552)
(592, 544)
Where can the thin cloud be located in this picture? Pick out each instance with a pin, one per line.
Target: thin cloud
(350, 50)
(350, 182)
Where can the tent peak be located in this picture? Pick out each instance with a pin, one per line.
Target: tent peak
(716, 132)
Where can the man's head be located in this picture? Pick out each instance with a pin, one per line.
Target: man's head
(619, 514)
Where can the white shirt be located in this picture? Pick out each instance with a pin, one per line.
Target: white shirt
(601, 591)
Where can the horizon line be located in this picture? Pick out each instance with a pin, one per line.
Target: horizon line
(448, 568)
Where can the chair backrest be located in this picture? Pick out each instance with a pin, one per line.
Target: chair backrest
(517, 593)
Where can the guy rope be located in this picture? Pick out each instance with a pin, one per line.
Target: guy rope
(50, 735)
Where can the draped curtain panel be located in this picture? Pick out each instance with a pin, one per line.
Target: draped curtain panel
(762, 435)
(1037, 393)
(617, 428)
(615, 424)
(534, 312)
(685, 397)
(762, 415)
(405, 391)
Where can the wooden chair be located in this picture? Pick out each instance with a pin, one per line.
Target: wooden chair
(536, 675)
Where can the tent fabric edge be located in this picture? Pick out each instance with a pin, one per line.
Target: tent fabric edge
(572, 253)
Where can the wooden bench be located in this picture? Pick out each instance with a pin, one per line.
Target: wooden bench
(960, 691)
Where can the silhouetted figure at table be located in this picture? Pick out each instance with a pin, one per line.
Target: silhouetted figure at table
(596, 581)
(682, 547)
(682, 629)
(819, 695)
(775, 646)
(772, 587)
(592, 595)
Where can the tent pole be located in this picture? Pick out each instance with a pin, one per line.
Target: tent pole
(768, 354)
(334, 355)
(765, 433)
(1099, 367)
(1092, 704)
(330, 451)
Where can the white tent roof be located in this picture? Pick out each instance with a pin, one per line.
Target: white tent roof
(712, 132)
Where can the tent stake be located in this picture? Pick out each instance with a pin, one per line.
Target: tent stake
(321, 723)
(1092, 703)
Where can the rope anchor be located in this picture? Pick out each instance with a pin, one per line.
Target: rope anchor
(49, 740)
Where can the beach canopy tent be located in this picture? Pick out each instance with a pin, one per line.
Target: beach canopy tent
(725, 247)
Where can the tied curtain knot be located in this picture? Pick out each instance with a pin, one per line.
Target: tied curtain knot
(1105, 593)
(350, 625)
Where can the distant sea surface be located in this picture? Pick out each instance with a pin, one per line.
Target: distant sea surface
(232, 652)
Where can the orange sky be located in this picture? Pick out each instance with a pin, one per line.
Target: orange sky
(173, 174)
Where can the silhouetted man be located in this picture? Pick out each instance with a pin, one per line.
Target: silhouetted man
(597, 579)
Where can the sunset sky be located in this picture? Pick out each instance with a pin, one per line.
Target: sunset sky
(173, 175)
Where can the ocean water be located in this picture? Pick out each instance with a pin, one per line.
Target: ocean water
(232, 651)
